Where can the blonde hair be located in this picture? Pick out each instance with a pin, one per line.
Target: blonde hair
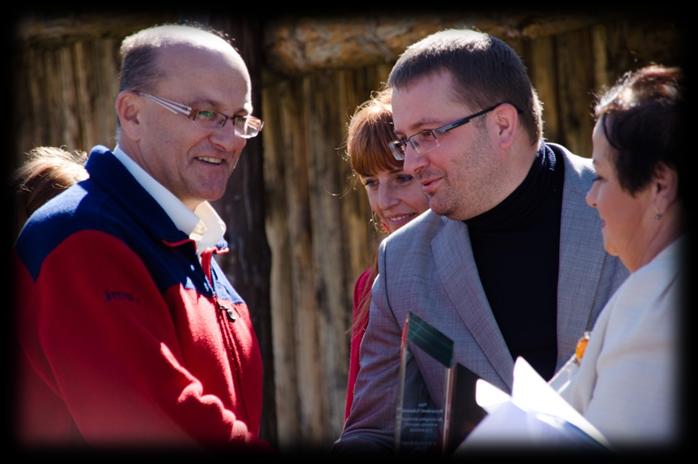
(47, 172)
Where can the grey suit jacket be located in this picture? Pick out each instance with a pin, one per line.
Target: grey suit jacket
(427, 267)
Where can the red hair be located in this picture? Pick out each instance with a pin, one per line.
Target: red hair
(368, 140)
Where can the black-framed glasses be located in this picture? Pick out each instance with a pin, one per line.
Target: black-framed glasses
(247, 126)
(427, 139)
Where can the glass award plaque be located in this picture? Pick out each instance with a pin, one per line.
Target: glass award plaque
(423, 425)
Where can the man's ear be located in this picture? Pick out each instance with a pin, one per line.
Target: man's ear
(506, 121)
(128, 106)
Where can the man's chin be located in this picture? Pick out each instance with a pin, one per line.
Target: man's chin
(207, 197)
(440, 209)
(213, 194)
(447, 211)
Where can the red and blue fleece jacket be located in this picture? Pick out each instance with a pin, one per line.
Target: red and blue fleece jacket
(126, 337)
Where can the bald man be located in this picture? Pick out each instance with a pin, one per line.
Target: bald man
(130, 332)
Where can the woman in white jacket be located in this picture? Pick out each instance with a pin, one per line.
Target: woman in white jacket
(627, 382)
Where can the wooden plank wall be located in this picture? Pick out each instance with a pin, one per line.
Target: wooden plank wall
(69, 96)
(315, 222)
(318, 229)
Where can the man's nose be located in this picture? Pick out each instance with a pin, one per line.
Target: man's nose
(225, 139)
(414, 162)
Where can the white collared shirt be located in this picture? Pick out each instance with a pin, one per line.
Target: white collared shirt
(203, 225)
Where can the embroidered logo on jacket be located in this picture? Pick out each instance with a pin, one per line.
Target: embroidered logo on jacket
(114, 295)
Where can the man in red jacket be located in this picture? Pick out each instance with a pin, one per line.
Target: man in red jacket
(130, 332)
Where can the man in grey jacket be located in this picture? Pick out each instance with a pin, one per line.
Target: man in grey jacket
(508, 261)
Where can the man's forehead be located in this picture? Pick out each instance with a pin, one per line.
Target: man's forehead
(412, 110)
(194, 49)
(195, 60)
(205, 77)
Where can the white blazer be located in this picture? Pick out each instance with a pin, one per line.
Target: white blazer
(627, 382)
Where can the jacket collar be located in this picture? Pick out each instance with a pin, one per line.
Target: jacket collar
(582, 254)
(457, 270)
(155, 208)
(581, 257)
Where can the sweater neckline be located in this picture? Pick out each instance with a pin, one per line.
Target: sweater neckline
(527, 201)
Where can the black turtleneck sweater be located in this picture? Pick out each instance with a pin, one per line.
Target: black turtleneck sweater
(516, 247)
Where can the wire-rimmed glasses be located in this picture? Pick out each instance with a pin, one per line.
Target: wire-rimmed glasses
(246, 126)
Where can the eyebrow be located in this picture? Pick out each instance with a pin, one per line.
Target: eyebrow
(416, 127)
(205, 101)
(391, 171)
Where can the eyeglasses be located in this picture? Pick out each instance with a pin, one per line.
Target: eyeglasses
(245, 126)
(426, 140)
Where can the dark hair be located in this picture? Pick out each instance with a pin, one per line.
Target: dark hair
(484, 68)
(640, 118)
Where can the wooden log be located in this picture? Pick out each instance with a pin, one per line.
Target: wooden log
(534, 26)
(540, 59)
(305, 305)
(78, 72)
(277, 100)
(84, 112)
(299, 45)
(30, 101)
(622, 46)
(248, 265)
(600, 38)
(72, 27)
(53, 97)
(658, 41)
(576, 82)
(329, 250)
(321, 333)
(70, 133)
(308, 44)
(106, 88)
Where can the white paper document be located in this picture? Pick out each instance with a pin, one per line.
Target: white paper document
(534, 415)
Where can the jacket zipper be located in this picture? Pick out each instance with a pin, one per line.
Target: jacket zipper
(206, 258)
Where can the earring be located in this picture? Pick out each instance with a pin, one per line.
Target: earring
(378, 224)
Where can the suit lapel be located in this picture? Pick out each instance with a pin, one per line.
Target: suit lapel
(581, 259)
(457, 271)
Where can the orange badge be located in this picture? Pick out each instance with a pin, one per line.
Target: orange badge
(581, 347)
